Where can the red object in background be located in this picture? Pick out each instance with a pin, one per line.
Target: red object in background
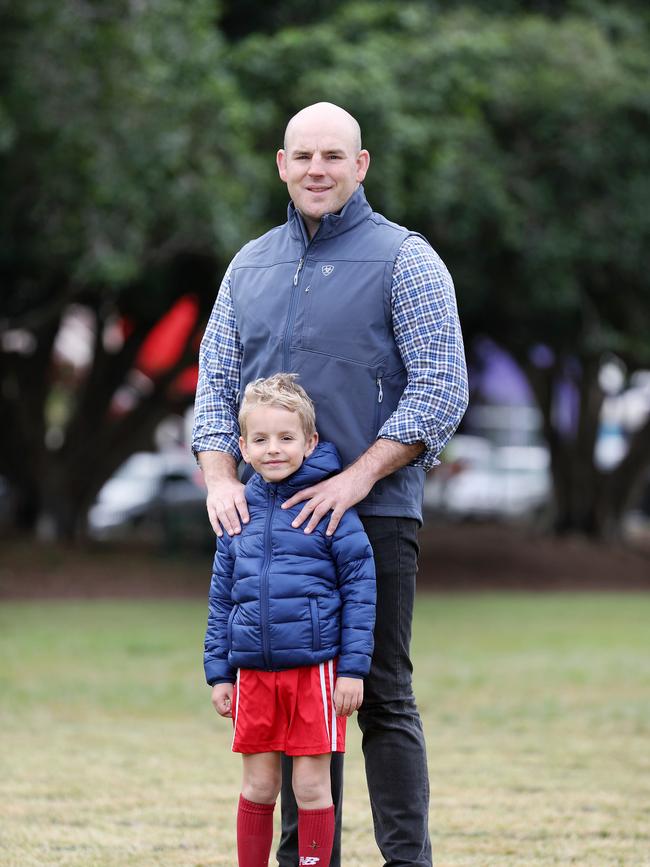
(166, 341)
(185, 382)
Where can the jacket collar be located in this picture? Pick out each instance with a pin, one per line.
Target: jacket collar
(355, 211)
(320, 464)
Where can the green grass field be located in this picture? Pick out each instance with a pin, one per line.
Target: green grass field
(536, 708)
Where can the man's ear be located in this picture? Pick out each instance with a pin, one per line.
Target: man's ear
(363, 164)
(281, 162)
(243, 450)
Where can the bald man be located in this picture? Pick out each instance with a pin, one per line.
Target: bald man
(364, 311)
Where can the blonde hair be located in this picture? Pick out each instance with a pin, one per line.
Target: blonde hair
(281, 390)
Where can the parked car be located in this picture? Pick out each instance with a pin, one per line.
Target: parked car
(154, 496)
(478, 479)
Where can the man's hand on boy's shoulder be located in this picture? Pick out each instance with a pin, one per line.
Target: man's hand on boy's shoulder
(222, 698)
(348, 695)
(227, 507)
(336, 495)
(226, 502)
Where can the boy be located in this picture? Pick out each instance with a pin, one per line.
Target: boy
(290, 622)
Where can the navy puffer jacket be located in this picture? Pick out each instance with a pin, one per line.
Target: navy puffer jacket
(280, 598)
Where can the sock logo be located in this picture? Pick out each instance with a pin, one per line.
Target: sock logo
(308, 860)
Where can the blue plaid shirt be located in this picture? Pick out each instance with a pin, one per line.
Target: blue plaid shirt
(428, 336)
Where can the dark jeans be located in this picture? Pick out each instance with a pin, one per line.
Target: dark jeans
(392, 737)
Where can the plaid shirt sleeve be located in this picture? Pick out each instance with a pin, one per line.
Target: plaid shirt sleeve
(428, 336)
(217, 394)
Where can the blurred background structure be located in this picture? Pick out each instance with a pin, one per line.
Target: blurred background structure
(136, 145)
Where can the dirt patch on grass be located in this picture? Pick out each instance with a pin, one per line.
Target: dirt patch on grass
(465, 557)
(498, 556)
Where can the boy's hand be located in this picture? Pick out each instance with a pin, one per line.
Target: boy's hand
(222, 698)
(348, 695)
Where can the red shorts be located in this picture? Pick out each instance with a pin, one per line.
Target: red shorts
(288, 711)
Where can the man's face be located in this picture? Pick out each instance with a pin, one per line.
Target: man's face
(275, 444)
(321, 167)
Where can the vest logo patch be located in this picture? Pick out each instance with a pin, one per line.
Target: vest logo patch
(308, 859)
(326, 270)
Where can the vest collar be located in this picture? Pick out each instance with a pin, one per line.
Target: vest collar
(355, 211)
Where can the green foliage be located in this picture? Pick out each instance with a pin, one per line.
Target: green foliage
(136, 155)
(125, 143)
(518, 145)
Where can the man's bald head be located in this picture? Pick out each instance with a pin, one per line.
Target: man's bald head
(328, 117)
(322, 162)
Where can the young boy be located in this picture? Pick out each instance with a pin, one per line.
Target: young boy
(291, 617)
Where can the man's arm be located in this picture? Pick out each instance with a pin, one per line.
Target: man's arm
(428, 334)
(215, 438)
(226, 502)
(350, 486)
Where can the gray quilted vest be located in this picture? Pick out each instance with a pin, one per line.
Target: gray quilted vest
(322, 309)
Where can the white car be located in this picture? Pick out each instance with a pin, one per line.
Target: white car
(153, 491)
(478, 479)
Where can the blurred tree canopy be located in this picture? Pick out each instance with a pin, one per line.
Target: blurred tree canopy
(126, 184)
(137, 148)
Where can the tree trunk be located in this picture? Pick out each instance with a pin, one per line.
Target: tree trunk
(575, 478)
(586, 500)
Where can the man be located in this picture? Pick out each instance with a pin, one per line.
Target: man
(364, 311)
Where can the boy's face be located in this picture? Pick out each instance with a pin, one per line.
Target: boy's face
(275, 443)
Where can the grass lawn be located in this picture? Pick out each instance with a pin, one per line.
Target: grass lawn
(536, 708)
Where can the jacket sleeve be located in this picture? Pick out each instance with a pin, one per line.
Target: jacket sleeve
(355, 568)
(220, 606)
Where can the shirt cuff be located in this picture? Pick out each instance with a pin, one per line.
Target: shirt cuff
(408, 432)
(218, 443)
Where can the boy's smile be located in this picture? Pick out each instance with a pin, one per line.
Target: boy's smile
(275, 443)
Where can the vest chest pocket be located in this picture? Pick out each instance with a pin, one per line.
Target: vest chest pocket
(344, 311)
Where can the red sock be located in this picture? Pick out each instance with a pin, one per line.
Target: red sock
(315, 836)
(254, 833)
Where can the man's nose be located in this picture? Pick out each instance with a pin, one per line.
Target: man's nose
(316, 166)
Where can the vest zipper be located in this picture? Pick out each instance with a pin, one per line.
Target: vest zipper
(298, 270)
(291, 315)
(380, 397)
(264, 582)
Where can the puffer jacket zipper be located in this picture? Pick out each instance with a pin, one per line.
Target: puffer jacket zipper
(264, 578)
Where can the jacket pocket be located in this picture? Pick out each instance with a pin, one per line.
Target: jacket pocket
(315, 623)
(231, 617)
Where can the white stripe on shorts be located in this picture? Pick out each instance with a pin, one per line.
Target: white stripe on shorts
(330, 669)
(321, 671)
(234, 728)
